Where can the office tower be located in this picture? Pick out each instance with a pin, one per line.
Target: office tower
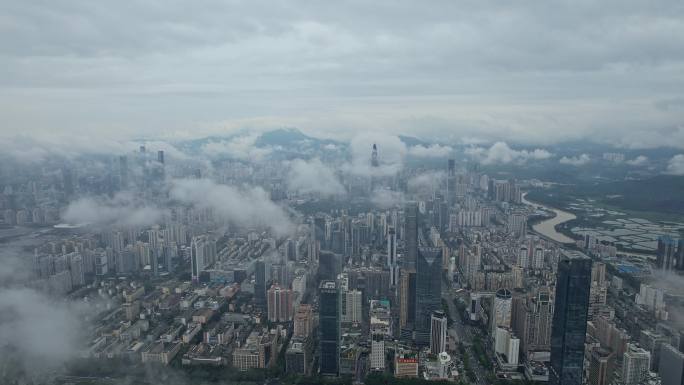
(374, 156)
(517, 224)
(377, 351)
(329, 328)
(260, 284)
(635, 365)
(671, 367)
(573, 282)
(318, 230)
(160, 156)
(438, 332)
(329, 265)
(653, 343)
(501, 310)
(598, 273)
(666, 256)
(392, 257)
(601, 366)
(296, 360)
(407, 299)
(411, 235)
(351, 306)
(279, 304)
(428, 290)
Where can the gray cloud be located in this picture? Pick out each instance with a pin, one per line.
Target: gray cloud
(431, 151)
(675, 165)
(313, 176)
(426, 182)
(530, 72)
(245, 205)
(385, 198)
(579, 160)
(241, 147)
(123, 210)
(501, 153)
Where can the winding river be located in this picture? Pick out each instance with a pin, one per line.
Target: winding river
(547, 227)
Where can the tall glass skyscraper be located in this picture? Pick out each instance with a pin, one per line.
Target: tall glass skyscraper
(260, 284)
(428, 290)
(329, 329)
(569, 328)
(411, 236)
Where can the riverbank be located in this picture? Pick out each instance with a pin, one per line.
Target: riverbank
(547, 227)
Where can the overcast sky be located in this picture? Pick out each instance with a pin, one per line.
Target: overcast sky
(533, 72)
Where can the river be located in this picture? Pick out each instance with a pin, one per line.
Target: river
(547, 227)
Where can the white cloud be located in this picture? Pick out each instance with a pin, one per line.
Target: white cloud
(385, 198)
(240, 147)
(426, 182)
(579, 160)
(313, 177)
(638, 161)
(123, 210)
(243, 206)
(675, 166)
(432, 151)
(391, 153)
(501, 153)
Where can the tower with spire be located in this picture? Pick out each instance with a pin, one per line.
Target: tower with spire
(374, 156)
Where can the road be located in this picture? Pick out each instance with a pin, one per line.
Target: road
(464, 334)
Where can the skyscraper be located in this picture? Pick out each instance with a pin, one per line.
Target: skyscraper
(202, 255)
(279, 304)
(666, 256)
(407, 299)
(428, 290)
(411, 235)
(260, 284)
(501, 310)
(569, 328)
(601, 364)
(671, 368)
(392, 257)
(438, 331)
(329, 328)
(635, 365)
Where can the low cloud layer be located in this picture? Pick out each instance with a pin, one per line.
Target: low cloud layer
(242, 147)
(426, 182)
(385, 198)
(675, 166)
(313, 176)
(501, 153)
(640, 160)
(244, 206)
(124, 210)
(579, 160)
(431, 151)
(391, 153)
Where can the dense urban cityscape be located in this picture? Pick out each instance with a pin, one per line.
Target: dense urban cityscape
(439, 274)
(274, 192)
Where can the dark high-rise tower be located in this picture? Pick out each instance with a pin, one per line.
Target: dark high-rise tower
(260, 284)
(411, 237)
(569, 328)
(329, 328)
(666, 257)
(374, 156)
(428, 290)
(123, 171)
(160, 156)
